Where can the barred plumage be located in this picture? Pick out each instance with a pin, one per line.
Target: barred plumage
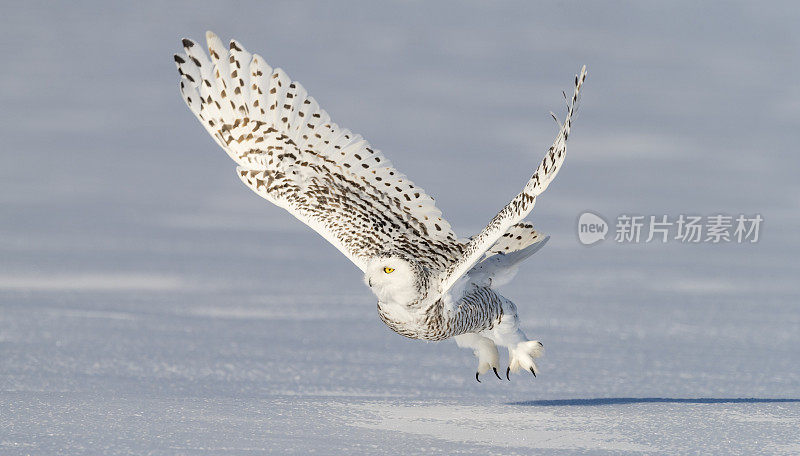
(430, 284)
(478, 310)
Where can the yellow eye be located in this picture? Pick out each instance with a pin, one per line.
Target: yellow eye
(388, 270)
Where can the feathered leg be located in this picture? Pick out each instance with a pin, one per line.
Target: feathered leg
(521, 351)
(483, 314)
(485, 350)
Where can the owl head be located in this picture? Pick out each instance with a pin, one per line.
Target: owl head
(397, 278)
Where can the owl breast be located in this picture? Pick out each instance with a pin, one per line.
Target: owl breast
(415, 321)
(479, 309)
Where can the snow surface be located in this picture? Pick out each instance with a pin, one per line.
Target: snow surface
(150, 304)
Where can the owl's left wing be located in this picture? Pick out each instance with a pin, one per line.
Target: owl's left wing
(292, 154)
(521, 205)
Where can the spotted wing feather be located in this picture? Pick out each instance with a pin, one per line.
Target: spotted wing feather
(290, 152)
(501, 262)
(522, 204)
(518, 237)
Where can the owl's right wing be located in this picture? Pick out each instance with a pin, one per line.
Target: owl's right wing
(290, 153)
(522, 204)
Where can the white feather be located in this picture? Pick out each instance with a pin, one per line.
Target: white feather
(290, 153)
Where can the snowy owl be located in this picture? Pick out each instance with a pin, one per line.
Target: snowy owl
(430, 284)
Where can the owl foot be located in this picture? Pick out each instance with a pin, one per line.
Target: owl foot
(521, 357)
(484, 349)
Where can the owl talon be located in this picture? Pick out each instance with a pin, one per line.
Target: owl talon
(484, 349)
(496, 374)
(522, 356)
(508, 370)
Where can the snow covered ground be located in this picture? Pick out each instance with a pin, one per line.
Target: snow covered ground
(150, 304)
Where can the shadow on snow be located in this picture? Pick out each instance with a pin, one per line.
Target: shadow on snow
(649, 400)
